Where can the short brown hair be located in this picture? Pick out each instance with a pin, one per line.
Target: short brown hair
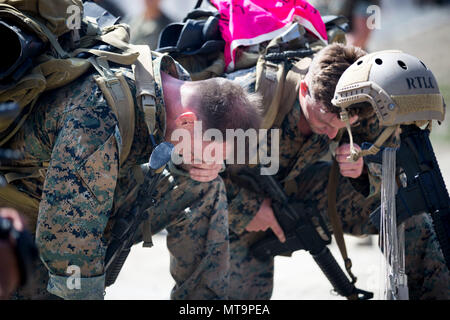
(326, 69)
(224, 104)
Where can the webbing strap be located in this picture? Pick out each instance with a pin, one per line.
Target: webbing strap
(335, 220)
(375, 148)
(117, 92)
(120, 58)
(145, 86)
(51, 38)
(272, 80)
(280, 87)
(102, 67)
(128, 56)
(291, 88)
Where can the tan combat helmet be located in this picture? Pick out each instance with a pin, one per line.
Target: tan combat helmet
(400, 88)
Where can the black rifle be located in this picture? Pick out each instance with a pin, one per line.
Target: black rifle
(125, 230)
(425, 190)
(304, 229)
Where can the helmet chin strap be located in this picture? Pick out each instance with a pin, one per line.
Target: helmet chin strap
(375, 148)
(354, 154)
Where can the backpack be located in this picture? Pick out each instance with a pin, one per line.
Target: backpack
(45, 54)
(48, 66)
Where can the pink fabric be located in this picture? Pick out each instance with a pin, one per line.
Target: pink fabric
(249, 22)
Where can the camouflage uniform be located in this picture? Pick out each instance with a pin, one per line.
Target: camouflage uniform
(76, 132)
(305, 176)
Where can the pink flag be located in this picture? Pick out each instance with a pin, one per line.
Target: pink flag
(249, 22)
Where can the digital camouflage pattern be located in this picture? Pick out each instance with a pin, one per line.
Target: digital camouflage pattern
(195, 217)
(75, 131)
(305, 176)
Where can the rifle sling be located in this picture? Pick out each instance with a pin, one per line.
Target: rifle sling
(335, 220)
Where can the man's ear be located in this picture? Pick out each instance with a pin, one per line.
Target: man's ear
(185, 119)
(303, 88)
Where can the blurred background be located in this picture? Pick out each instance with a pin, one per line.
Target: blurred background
(418, 27)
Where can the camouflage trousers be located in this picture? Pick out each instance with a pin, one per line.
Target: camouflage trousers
(428, 276)
(195, 217)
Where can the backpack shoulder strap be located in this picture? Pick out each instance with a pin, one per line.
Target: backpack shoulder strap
(146, 97)
(118, 95)
(269, 83)
(335, 220)
(273, 81)
(291, 88)
(145, 85)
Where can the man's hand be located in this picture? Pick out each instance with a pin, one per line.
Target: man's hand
(265, 218)
(347, 167)
(203, 172)
(9, 269)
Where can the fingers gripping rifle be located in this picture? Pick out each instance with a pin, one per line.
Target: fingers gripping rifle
(125, 230)
(424, 191)
(304, 229)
